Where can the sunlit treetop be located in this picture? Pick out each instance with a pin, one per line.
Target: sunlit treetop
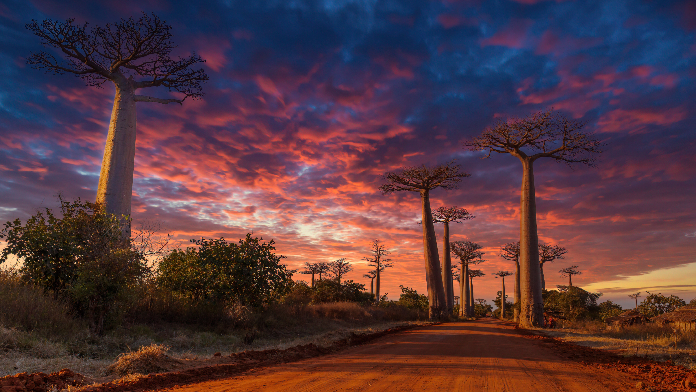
(423, 178)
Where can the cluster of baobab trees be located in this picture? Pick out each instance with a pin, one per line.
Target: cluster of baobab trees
(378, 261)
(540, 135)
(136, 54)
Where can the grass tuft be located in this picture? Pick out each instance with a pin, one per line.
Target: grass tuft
(148, 359)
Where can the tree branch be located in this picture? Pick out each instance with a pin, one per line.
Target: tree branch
(145, 98)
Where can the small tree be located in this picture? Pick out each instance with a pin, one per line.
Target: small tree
(548, 253)
(541, 135)
(132, 55)
(481, 308)
(569, 272)
(656, 304)
(502, 275)
(635, 297)
(467, 252)
(339, 268)
(446, 215)
(412, 300)
(322, 268)
(507, 305)
(424, 179)
(379, 262)
(573, 302)
(609, 309)
(311, 269)
(371, 275)
(511, 251)
(473, 274)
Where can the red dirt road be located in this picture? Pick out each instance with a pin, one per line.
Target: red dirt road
(475, 356)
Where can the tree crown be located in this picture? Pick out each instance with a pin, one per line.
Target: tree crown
(423, 178)
(539, 135)
(502, 274)
(378, 259)
(510, 251)
(451, 214)
(128, 48)
(572, 270)
(466, 251)
(550, 253)
(475, 273)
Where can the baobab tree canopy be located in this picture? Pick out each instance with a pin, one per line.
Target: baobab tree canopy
(131, 54)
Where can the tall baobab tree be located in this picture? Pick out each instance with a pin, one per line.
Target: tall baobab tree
(569, 272)
(339, 268)
(511, 251)
(541, 135)
(467, 252)
(502, 275)
(311, 269)
(635, 297)
(445, 215)
(473, 274)
(131, 54)
(548, 253)
(424, 179)
(322, 268)
(379, 262)
(371, 275)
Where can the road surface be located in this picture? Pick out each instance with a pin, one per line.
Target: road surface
(485, 355)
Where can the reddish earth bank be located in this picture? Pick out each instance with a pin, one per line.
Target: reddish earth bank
(471, 356)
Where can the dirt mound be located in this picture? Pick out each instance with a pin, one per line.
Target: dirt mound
(148, 359)
(41, 382)
(657, 376)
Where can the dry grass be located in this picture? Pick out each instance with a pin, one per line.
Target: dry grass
(648, 340)
(147, 359)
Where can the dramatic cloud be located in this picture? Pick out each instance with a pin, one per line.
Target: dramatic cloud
(309, 103)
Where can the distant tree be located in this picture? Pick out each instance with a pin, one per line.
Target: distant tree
(467, 252)
(371, 275)
(473, 274)
(573, 302)
(481, 308)
(424, 179)
(656, 304)
(412, 300)
(330, 290)
(635, 297)
(609, 309)
(339, 268)
(511, 252)
(379, 262)
(502, 275)
(569, 272)
(311, 269)
(548, 253)
(131, 54)
(507, 305)
(322, 268)
(446, 215)
(541, 135)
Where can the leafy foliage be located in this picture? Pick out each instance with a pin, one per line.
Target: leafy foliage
(482, 308)
(248, 272)
(509, 306)
(80, 256)
(573, 302)
(609, 309)
(656, 304)
(325, 291)
(412, 300)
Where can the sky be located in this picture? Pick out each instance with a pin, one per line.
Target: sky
(310, 103)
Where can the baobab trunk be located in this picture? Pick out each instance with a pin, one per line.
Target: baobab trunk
(541, 273)
(471, 296)
(465, 308)
(372, 286)
(570, 280)
(447, 272)
(516, 310)
(502, 302)
(116, 177)
(531, 304)
(436, 293)
(377, 286)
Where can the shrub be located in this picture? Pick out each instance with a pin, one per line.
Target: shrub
(573, 302)
(81, 256)
(410, 299)
(509, 306)
(249, 272)
(609, 309)
(329, 290)
(148, 359)
(481, 309)
(656, 304)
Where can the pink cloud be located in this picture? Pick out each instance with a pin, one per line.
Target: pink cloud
(636, 120)
(512, 36)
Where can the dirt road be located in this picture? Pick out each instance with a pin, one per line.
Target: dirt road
(474, 356)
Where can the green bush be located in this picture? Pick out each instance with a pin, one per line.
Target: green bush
(410, 299)
(656, 304)
(482, 309)
(573, 302)
(609, 309)
(326, 291)
(249, 273)
(81, 256)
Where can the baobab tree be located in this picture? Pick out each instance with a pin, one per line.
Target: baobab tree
(511, 251)
(502, 275)
(548, 253)
(371, 275)
(424, 179)
(339, 268)
(322, 268)
(467, 252)
(569, 272)
(378, 260)
(473, 274)
(311, 269)
(635, 297)
(541, 135)
(131, 54)
(445, 215)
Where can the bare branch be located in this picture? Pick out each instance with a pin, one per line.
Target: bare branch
(451, 214)
(145, 98)
(422, 178)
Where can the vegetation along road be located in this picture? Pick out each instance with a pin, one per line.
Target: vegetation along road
(486, 355)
